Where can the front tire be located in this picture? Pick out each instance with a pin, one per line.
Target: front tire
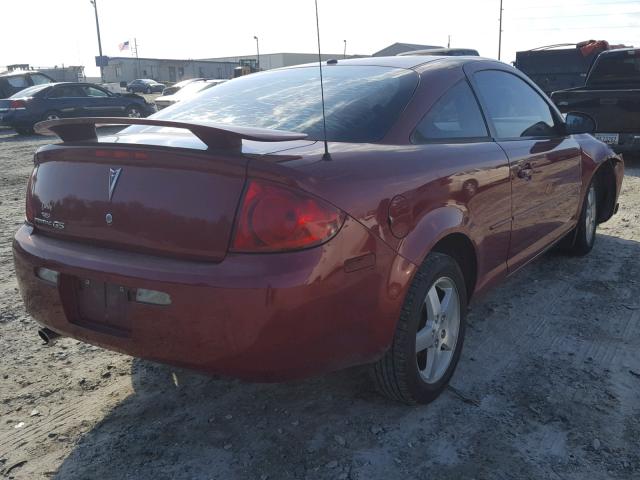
(585, 231)
(429, 335)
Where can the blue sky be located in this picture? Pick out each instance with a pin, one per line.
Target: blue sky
(63, 31)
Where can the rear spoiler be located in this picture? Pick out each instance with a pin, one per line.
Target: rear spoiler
(215, 136)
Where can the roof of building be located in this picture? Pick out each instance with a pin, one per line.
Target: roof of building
(168, 60)
(398, 47)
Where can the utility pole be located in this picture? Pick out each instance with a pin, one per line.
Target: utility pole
(135, 45)
(500, 33)
(449, 41)
(344, 54)
(95, 8)
(258, 51)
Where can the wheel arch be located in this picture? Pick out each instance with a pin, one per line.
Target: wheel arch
(444, 230)
(460, 247)
(607, 187)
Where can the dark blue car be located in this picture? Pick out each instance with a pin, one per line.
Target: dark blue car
(62, 100)
(145, 85)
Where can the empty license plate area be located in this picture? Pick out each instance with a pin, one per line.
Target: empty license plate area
(100, 306)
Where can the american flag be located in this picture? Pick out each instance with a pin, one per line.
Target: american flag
(124, 46)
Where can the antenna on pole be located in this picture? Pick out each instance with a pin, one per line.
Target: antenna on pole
(500, 33)
(326, 155)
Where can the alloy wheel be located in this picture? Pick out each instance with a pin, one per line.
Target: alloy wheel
(438, 330)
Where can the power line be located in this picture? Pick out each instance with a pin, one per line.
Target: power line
(578, 5)
(563, 17)
(592, 27)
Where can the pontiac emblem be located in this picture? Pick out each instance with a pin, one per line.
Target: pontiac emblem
(114, 174)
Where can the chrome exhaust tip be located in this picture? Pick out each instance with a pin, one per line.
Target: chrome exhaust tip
(49, 337)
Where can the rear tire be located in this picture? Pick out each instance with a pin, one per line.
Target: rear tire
(52, 115)
(585, 231)
(429, 335)
(133, 111)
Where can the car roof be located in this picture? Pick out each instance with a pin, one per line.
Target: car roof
(620, 50)
(74, 84)
(443, 52)
(15, 73)
(401, 61)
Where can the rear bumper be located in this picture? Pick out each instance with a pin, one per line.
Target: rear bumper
(19, 118)
(260, 317)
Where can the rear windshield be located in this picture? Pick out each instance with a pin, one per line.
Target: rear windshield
(29, 92)
(361, 102)
(620, 68)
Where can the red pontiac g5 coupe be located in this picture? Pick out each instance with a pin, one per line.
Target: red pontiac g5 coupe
(217, 235)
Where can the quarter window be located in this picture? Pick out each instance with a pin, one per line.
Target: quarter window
(514, 108)
(455, 115)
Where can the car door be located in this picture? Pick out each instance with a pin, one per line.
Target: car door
(454, 140)
(101, 103)
(545, 162)
(67, 100)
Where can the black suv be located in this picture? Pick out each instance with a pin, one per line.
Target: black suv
(13, 82)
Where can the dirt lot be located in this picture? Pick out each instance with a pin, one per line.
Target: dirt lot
(548, 388)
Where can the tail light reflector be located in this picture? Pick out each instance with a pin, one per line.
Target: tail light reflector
(276, 218)
(29, 213)
(18, 105)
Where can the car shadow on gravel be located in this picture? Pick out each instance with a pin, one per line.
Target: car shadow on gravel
(532, 393)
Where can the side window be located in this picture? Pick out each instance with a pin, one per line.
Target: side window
(456, 115)
(57, 92)
(38, 79)
(94, 92)
(18, 81)
(514, 108)
(66, 91)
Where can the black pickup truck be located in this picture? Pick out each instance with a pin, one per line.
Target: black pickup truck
(611, 95)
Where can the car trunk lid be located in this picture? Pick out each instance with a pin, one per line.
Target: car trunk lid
(127, 194)
(158, 202)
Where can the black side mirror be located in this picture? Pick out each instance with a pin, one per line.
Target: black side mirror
(578, 122)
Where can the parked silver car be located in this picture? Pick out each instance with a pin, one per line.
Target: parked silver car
(185, 92)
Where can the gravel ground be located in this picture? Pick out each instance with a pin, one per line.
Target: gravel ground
(547, 387)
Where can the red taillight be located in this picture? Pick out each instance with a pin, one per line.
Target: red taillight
(17, 105)
(275, 218)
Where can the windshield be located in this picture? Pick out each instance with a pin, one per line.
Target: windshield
(30, 91)
(621, 68)
(361, 102)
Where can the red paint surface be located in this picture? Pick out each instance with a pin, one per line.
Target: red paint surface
(272, 316)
